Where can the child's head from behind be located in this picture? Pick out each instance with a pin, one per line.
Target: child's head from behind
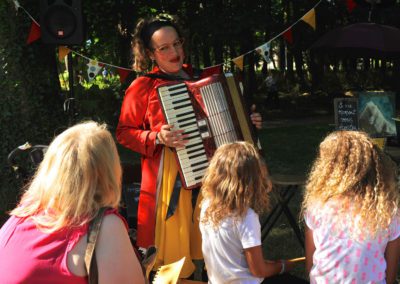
(350, 167)
(236, 179)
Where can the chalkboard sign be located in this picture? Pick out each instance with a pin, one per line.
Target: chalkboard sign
(346, 113)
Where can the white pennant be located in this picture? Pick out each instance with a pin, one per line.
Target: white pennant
(264, 50)
(93, 69)
(16, 4)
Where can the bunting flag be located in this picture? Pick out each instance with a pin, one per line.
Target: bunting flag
(239, 61)
(94, 66)
(93, 69)
(264, 51)
(34, 33)
(62, 52)
(16, 4)
(288, 36)
(351, 4)
(309, 18)
(123, 74)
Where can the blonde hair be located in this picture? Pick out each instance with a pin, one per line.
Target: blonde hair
(79, 174)
(351, 169)
(236, 179)
(142, 35)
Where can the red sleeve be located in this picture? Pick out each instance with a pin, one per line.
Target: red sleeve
(132, 131)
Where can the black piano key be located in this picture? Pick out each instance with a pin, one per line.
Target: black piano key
(193, 145)
(193, 136)
(192, 151)
(189, 132)
(198, 163)
(187, 124)
(182, 106)
(181, 101)
(177, 87)
(195, 156)
(201, 168)
(185, 119)
(178, 93)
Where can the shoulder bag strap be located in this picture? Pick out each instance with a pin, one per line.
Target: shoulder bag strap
(90, 258)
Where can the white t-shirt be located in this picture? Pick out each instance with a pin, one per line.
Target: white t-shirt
(338, 257)
(223, 248)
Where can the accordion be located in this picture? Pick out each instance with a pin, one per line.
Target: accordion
(212, 112)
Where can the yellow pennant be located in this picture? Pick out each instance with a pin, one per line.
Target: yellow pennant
(309, 18)
(62, 52)
(239, 61)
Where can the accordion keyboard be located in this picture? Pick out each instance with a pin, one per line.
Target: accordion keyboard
(179, 112)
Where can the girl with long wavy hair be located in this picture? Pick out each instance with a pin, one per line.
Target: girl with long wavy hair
(235, 190)
(351, 213)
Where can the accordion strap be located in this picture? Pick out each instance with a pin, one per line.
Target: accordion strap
(92, 236)
(168, 77)
(164, 76)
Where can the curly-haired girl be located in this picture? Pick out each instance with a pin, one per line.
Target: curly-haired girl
(351, 212)
(235, 190)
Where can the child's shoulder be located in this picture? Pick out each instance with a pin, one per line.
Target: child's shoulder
(315, 215)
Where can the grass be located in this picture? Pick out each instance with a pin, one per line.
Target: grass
(292, 149)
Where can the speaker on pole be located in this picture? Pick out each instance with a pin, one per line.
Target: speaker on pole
(61, 22)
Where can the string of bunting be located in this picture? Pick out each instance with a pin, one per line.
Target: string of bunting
(95, 66)
(264, 49)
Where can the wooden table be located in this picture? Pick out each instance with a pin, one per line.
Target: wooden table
(284, 188)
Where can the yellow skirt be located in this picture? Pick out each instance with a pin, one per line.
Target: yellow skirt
(179, 236)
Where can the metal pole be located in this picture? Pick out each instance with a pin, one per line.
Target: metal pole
(69, 102)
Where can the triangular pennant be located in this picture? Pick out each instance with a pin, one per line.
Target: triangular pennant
(288, 36)
(16, 4)
(309, 18)
(351, 4)
(209, 71)
(62, 52)
(34, 33)
(239, 61)
(263, 50)
(93, 69)
(123, 73)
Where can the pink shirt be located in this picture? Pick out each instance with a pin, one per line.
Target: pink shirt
(338, 257)
(28, 255)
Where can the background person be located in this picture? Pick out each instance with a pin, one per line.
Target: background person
(45, 239)
(351, 212)
(158, 42)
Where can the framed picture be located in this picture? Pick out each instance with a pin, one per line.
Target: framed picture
(376, 110)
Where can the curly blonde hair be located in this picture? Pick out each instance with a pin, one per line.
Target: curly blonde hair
(236, 179)
(351, 169)
(144, 29)
(79, 174)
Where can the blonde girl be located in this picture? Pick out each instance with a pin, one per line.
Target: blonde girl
(351, 212)
(235, 190)
(45, 239)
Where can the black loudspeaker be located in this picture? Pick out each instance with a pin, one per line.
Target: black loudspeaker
(61, 22)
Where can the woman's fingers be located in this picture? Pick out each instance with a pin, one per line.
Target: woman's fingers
(173, 138)
(256, 119)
